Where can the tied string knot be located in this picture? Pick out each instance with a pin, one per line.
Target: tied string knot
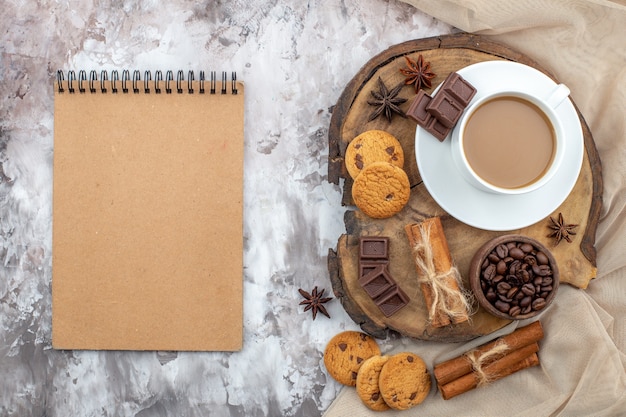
(478, 361)
(448, 300)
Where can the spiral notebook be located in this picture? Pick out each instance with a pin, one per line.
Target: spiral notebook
(147, 211)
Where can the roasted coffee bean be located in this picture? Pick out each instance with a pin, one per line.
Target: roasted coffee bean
(501, 267)
(503, 287)
(530, 260)
(502, 306)
(526, 247)
(538, 304)
(524, 302)
(489, 272)
(546, 288)
(538, 281)
(542, 258)
(515, 311)
(485, 264)
(547, 280)
(544, 294)
(493, 257)
(516, 253)
(512, 292)
(491, 295)
(511, 245)
(497, 279)
(528, 289)
(527, 309)
(502, 251)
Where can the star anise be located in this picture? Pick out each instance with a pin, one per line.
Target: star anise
(314, 301)
(418, 72)
(387, 102)
(561, 230)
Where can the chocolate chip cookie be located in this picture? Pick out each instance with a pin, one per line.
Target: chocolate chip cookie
(373, 146)
(381, 190)
(404, 381)
(367, 383)
(346, 352)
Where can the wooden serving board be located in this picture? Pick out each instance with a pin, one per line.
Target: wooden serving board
(576, 260)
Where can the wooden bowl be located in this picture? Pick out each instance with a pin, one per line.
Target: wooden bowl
(514, 277)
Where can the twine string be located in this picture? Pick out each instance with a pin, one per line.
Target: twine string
(479, 361)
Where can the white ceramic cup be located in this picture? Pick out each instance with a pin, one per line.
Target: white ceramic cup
(547, 104)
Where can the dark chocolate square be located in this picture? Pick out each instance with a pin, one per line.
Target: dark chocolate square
(377, 282)
(417, 109)
(374, 248)
(459, 88)
(445, 108)
(436, 129)
(392, 301)
(365, 267)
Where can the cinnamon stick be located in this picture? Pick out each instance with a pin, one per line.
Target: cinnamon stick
(452, 369)
(512, 362)
(430, 232)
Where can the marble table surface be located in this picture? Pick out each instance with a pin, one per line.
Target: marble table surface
(295, 58)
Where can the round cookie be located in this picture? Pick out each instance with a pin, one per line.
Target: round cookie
(381, 190)
(373, 146)
(367, 383)
(404, 381)
(346, 352)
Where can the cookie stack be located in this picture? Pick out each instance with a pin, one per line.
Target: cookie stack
(398, 382)
(375, 159)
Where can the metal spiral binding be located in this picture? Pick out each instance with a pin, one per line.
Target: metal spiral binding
(83, 83)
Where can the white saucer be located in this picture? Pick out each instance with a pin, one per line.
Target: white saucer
(482, 209)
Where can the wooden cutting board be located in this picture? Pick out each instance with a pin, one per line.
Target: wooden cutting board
(576, 260)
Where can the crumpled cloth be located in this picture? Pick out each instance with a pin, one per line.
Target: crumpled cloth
(583, 353)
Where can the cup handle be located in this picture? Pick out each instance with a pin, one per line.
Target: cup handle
(558, 95)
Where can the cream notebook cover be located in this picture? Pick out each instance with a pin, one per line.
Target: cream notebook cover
(147, 212)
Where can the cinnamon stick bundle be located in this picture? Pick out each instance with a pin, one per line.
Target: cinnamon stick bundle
(489, 362)
(439, 279)
(457, 367)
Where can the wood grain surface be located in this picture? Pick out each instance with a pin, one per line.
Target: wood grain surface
(577, 260)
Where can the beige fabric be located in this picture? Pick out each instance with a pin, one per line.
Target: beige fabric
(583, 360)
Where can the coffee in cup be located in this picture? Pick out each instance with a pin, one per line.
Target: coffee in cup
(510, 142)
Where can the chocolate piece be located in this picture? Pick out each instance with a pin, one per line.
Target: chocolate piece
(374, 276)
(392, 301)
(425, 110)
(457, 87)
(438, 114)
(365, 267)
(435, 128)
(444, 107)
(374, 248)
(417, 109)
(377, 281)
